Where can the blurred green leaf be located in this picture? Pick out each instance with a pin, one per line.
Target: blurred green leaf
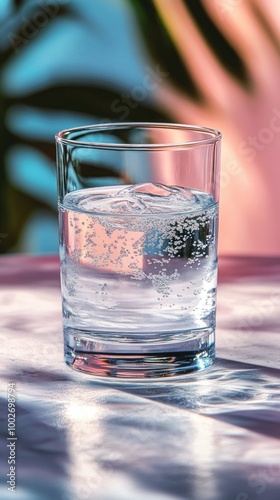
(226, 54)
(18, 3)
(93, 100)
(162, 48)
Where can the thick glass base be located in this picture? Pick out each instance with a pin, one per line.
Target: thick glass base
(142, 362)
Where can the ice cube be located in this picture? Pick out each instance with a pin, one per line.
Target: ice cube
(146, 198)
(154, 197)
(152, 188)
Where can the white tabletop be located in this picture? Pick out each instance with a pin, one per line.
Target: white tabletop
(213, 435)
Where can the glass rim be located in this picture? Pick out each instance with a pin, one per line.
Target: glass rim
(212, 136)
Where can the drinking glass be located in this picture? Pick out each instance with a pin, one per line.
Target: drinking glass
(138, 217)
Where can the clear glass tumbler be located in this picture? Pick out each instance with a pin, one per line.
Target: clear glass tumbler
(138, 212)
